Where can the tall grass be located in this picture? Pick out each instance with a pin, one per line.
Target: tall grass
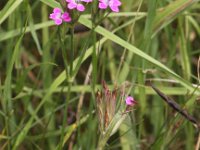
(49, 75)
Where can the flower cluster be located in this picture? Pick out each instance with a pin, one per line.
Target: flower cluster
(76, 4)
(113, 4)
(60, 17)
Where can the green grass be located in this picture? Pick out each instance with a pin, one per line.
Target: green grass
(49, 76)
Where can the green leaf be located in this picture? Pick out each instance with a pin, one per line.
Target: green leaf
(169, 13)
(8, 9)
(32, 29)
(51, 3)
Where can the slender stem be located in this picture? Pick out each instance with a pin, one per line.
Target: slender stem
(71, 50)
(64, 52)
(65, 116)
(94, 56)
(102, 142)
(94, 59)
(69, 81)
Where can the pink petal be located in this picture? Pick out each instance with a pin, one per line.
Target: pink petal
(57, 10)
(102, 1)
(80, 7)
(114, 8)
(56, 18)
(87, 1)
(52, 16)
(130, 101)
(66, 18)
(58, 21)
(103, 5)
(116, 2)
(72, 5)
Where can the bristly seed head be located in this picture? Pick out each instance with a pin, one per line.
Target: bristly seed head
(106, 105)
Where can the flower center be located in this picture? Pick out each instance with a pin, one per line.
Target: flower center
(106, 2)
(58, 15)
(111, 3)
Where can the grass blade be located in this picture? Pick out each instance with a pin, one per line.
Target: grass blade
(8, 9)
(102, 31)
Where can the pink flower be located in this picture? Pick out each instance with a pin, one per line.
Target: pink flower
(76, 4)
(59, 17)
(113, 4)
(65, 16)
(130, 101)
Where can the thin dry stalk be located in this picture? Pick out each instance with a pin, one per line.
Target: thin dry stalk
(198, 70)
(197, 147)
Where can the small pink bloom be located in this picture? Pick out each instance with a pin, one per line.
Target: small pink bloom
(113, 4)
(76, 4)
(58, 17)
(80, 7)
(130, 101)
(65, 16)
(72, 5)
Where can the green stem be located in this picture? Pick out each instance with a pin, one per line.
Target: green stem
(102, 142)
(69, 81)
(64, 53)
(71, 50)
(94, 63)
